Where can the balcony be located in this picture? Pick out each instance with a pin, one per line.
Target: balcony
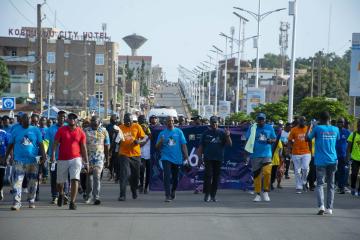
(18, 59)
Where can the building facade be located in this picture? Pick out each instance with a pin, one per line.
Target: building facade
(73, 70)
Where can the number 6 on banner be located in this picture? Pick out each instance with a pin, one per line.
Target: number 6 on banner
(192, 156)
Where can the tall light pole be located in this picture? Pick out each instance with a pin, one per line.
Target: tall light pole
(292, 12)
(217, 78)
(258, 17)
(241, 18)
(225, 77)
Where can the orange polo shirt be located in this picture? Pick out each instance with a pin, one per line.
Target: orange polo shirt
(297, 137)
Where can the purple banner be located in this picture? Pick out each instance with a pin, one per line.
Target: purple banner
(235, 173)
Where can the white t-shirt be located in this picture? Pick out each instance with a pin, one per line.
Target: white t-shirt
(145, 150)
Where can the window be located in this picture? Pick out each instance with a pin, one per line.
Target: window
(66, 73)
(99, 78)
(51, 57)
(13, 52)
(99, 59)
(99, 94)
(66, 54)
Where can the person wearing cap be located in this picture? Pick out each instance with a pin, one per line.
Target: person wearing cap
(71, 140)
(97, 143)
(171, 143)
(130, 154)
(154, 121)
(197, 120)
(50, 137)
(212, 146)
(261, 136)
(4, 142)
(26, 141)
(6, 126)
(301, 154)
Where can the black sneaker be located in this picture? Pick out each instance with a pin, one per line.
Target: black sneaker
(66, 199)
(168, 199)
(206, 198)
(54, 200)
(97, 202)
(146, 191)
(72, 206)
(60, 200)
(134, 195)
(172, 195)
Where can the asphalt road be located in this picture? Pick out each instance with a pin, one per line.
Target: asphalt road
(235, 216)
(170, 97)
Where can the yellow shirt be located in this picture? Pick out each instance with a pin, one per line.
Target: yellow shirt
(276, 157)
(132, 133)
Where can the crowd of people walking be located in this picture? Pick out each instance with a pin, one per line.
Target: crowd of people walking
(74, 154)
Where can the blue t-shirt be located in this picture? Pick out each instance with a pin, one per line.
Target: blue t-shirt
(171, 146)
(342, 144)
(4, 141)
(43, 132)
(50, 135)
(7, 129)
(325, 144)
(261, 148)
(26, 143)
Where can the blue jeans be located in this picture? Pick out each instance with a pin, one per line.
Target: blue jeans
(327, 172)
(171, 176)
(22, 170)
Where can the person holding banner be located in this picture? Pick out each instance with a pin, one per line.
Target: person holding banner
(212, 145)
(260, 138)
(171, 143)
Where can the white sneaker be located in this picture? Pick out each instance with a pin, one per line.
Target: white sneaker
(266, 197)
(1, 195)
(89, 201)
(328, 211)
(257, 198)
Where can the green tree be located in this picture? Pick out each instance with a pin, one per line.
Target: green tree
(238, 117)
(312, 107)
(4, 77)
(274, 111)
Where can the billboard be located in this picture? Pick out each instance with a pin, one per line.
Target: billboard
(255, 97)
(224, 109)
(354, 89)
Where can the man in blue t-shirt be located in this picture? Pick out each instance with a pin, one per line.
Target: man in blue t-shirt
(342, 173)
(325, 161)
(212, 145)
(25, 141)
(261, 156)
(50, 136)
(4, 141)
(172, 145)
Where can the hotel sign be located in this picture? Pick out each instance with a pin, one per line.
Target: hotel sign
(28, 32)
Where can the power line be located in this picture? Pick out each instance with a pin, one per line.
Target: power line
(26, 18)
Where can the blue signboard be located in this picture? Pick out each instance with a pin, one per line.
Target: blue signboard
(8, 103)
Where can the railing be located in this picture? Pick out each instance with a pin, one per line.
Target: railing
(18, 58)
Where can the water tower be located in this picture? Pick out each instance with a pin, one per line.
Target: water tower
(134, 42)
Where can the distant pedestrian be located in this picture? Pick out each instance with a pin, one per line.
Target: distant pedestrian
(301, 154)
(173, 150)
(4, 142)
(260, 138)
(145, 157)
(212, 147)
(325, 161)
(353, 154)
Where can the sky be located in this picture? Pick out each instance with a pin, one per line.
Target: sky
(182, 32)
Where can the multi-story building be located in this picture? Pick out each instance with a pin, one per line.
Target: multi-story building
(73, 69)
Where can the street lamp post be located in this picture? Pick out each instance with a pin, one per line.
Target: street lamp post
(241, 18)
(292, 12)
(258, 17)
(225, 75)
(217, 78)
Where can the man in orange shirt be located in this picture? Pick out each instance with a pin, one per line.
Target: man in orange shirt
(301, 154)
(130, 153)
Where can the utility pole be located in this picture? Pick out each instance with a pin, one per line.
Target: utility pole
(85, 77)
(312, 77)
(39, 87)
(319, 75)
(49, 91)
